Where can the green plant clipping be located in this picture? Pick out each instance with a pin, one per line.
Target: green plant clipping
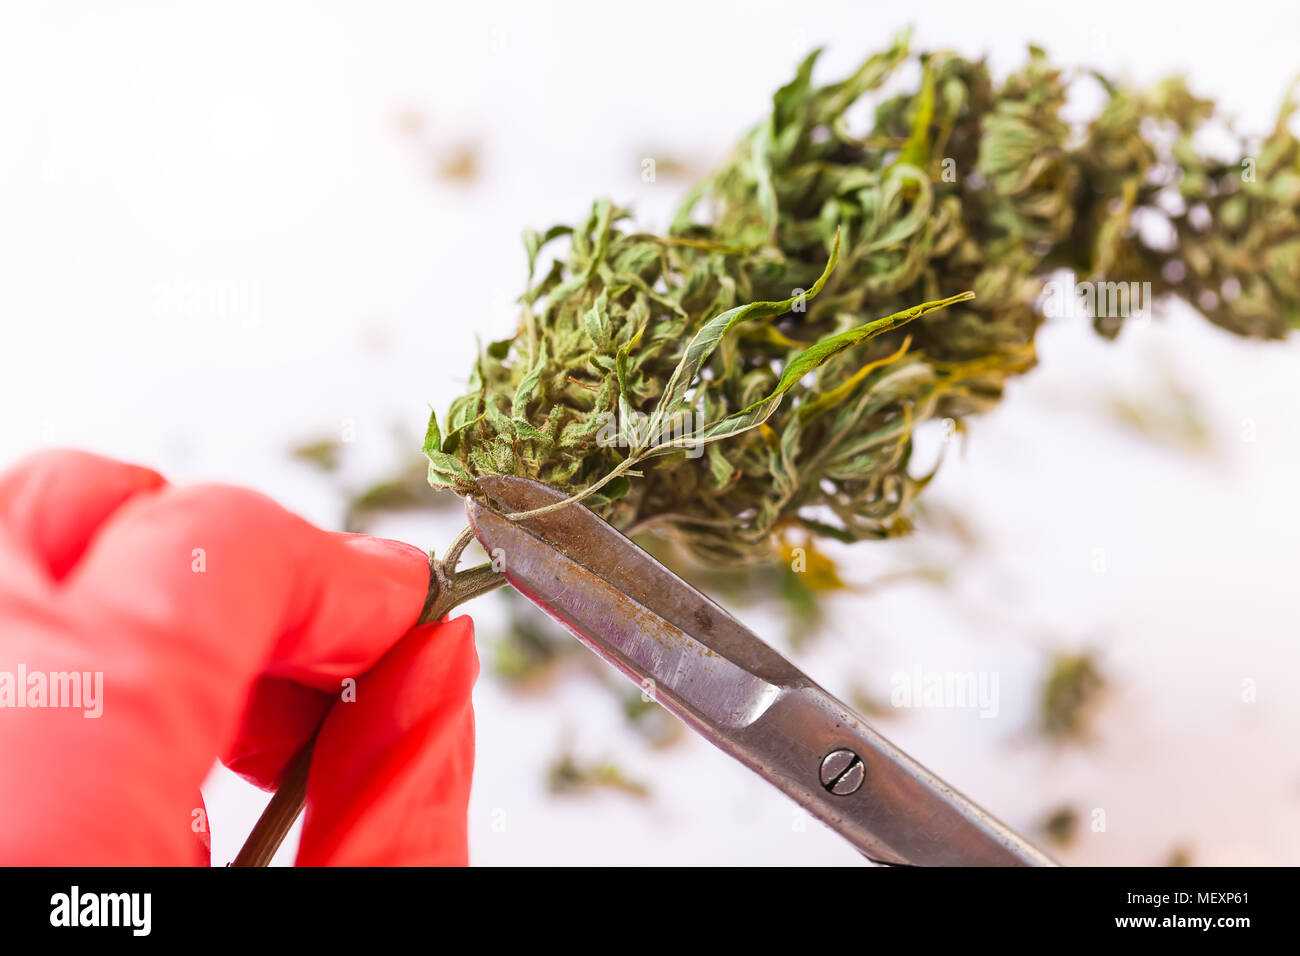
(849, 274)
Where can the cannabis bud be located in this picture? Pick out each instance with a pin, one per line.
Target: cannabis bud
(830, 288)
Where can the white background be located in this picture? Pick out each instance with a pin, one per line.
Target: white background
(216, 240)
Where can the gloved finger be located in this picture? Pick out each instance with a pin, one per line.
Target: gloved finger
(251, 587)
(182, 600)
(278, 720)
(53, 502)
(390, 774)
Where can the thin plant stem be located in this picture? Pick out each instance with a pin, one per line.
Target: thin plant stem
(457, 548)
(448, 589)
(279, 816)
(622, 466)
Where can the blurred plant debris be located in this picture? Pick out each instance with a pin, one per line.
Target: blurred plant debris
(411, 121)
(459, 163)
(870, 705)
(757, 318)
(1180, 856)
(1069, 696)
(405, 489)
(568, 776)
(527, 648)
(1167, 412)
(324, 454)
(654, 163)
(651, 722)
(1062, 825)
(456, 162)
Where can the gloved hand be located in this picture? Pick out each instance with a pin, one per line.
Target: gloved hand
(221, 625)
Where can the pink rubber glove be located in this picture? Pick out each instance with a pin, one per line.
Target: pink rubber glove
(222, 625)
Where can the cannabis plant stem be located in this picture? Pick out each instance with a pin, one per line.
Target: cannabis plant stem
(278, 817)
(623, 466)
(448, 589)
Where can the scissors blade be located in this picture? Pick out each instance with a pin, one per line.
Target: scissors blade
(724, 682)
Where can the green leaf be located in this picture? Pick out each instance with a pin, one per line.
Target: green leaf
(597, 323)
(721, 469)
(828, 104)
(806, 361)
(618, 488)
(501, 424)
(707, 338)
(901, 181)
(813, 407)
(816, 355)
(432, 434)
(451, 443)
(525, 430)
(446, 471)
(527, 386)
(761, 168)
(828, 530)
(788, 101)
(533, 243)
(916, 152)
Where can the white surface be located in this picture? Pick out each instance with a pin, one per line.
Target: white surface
(216, 241)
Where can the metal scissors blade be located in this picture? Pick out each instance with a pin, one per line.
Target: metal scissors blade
(724, 682)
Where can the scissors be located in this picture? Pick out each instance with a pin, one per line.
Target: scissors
(720, 679)
(725, 683)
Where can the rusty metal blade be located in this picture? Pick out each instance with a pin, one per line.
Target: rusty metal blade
(706, 667)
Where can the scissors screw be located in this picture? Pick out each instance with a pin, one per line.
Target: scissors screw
(842, 772)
